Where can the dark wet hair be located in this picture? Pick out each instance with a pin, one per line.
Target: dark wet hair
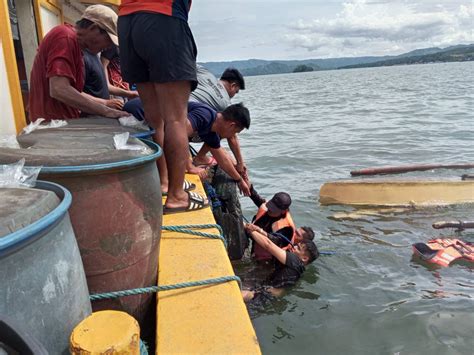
(85, 23)
(233, 75)
(308, 233)
(311, 250)
(237, 113)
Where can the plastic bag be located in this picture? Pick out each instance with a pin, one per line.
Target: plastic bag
(132, 121)
(9, 141)
(121, 142)
(16, 174)
(33, 126)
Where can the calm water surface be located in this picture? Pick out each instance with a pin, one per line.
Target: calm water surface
(371, 297)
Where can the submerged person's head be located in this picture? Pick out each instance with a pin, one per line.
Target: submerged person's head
(233, 81)
(304, 233)
(97, 28)
(307, 251)
(235, 118)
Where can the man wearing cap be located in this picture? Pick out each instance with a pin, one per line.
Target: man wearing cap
(57, 76)
(274, 219)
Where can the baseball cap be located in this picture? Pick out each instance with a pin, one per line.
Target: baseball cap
(280, 201)
(105, 18)
(232, 74)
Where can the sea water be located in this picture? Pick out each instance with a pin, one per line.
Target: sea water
(372, 296)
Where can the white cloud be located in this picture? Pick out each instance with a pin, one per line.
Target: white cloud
(298, 29)
(368, 28)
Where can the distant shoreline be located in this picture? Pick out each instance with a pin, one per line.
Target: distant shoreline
(255, 67)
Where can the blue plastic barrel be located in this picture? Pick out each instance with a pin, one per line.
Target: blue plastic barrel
(43, 284)
(116, 211)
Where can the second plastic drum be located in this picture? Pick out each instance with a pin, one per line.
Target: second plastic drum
(116, 211)
(43, 286)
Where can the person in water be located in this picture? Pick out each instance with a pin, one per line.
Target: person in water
(58, 74)
(289, 265)
(275, 220)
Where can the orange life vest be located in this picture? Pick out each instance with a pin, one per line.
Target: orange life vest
(285, 221)
(444, 251)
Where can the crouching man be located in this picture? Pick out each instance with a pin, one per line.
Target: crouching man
(289, 265)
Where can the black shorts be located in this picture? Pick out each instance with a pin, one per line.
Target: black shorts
(156, 48)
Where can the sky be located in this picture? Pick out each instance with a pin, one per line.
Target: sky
(226, 30)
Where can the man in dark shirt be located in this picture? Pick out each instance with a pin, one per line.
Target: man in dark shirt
(289, 265)
(208, 126)
(95, 83)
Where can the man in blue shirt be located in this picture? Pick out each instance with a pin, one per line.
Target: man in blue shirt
(204, 124)
(209, 126)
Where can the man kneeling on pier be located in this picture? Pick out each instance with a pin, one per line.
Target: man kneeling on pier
(289, 265)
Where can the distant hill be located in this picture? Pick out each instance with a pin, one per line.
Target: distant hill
(263, 67)
(459, 53)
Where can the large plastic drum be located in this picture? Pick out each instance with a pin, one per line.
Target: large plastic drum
(90, 124)
(116, 211)
(43, 285)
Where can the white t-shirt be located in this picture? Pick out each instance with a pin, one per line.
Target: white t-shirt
(209, 90)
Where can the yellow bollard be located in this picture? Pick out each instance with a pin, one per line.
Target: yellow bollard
(106, 332)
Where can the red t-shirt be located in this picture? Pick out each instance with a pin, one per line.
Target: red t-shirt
(175, 8)
(58, 54)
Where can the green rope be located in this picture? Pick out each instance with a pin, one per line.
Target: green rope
(152, 289)
(143, 348)
(187, 228)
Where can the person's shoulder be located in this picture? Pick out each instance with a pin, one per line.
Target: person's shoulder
(62, 36)
(61, 31)
(294, 262)
(195, 105)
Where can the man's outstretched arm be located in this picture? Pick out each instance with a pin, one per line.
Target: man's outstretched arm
(260, 237)
(225, 163)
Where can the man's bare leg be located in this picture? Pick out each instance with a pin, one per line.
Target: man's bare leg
(150, 102)
(173, 105)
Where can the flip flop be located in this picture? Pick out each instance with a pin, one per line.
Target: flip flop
(187, 186)
(196, 202)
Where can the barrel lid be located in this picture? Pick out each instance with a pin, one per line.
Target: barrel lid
(73, 148)
(20, 207)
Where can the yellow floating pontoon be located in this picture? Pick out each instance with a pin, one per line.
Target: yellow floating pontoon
(397, 192)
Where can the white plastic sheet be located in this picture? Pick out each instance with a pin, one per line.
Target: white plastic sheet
(121, 142)
(132, 121)
(16, 174)
(33, 126)
(9, 141)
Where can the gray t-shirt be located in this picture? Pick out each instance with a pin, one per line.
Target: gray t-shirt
(210, 91)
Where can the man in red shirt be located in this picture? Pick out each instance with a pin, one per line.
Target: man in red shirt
(57, 76)
(158, 53)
